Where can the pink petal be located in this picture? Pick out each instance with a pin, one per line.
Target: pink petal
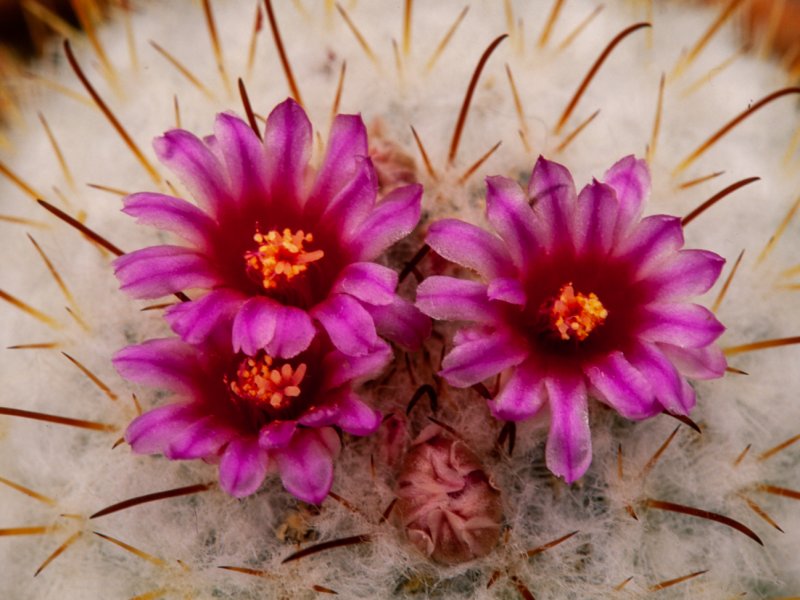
(630, 178)
(401, 322)
(244, 156)
(171, 214)
(196, 167)
(697, 363)
(507, 289)
(346, 144)
(340, 368)
(325, 413)
(682, 325)
(448, 298)
(277, 434)
(287, 138)
(687, 273)
(153, 431)
(306, 466)
(203, 439)
(164, 363)
(551, 192)
(198, 320)
(391, 220)
(595, 218)
(653, 240)
(511, 217)
(471, 247)
(622, 387)
(348, 324)
(367, 281)
(294, 332)
(243, 467)
(254, 325)
(569, 443)
(355, 417)
(670, 388)
(352, 205)
(161, 270)
(522, 395)
(472, 362)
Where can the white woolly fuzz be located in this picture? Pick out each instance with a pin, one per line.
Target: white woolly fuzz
(186, 539)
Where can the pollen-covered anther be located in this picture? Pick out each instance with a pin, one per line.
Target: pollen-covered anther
(573, 315)
(257, 382)
(279, 254)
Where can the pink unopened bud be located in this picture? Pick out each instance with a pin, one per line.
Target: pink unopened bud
(448, 504)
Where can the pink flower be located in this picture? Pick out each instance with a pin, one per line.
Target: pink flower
(253, 413)
(580, 297)
(273, 245)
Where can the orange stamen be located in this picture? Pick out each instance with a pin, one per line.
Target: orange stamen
(257, 382)
(279, 255)
(574, 316)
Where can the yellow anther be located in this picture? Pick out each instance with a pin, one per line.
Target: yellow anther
(279, 254)
(574, 316)
(258, 383)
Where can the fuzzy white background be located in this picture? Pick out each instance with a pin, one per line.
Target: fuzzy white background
(80, 471)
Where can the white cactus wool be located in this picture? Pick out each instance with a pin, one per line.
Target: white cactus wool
(660, 511)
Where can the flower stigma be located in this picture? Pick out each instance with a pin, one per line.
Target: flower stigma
(265, 387)
(279, 255)
(573, 316)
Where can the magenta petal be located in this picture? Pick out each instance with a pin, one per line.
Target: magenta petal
(391, 220)
(276, 434)
(203, 439)
(347, 143)
(471, 247)
(683, 325)
(306, 466)
(348, 324)
(255, 324)
(472, 362)
(650, 242)
(355, 417)
(323, 415)
(448, 298)
(153, 431)
(687, 273)
(244, 156)
(401, 322)
(196, 321)
(340, 368)
(196, 167)
(171, 214)
(630, 178)
(511, 217)
(165, 363)
(287, 138)
(569, 443)
(507, 289)
(294, 332)
(354, 202)
(697, 363)
(622, 387)
(160, 270)
(595, 218)
(551, 192)
(669, 387)
(367, 281)
(522, 395)
(243, 467)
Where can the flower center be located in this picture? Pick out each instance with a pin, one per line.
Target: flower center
(573, 316)
(279, 255)
(265, 387)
